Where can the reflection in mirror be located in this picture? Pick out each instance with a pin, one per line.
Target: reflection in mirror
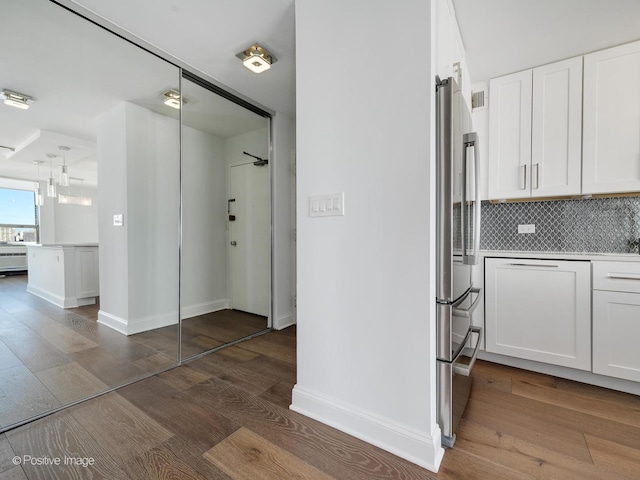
(226, 225)
(99, 305)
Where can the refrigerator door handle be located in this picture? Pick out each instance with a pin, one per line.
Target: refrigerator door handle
(468, 312)
(465, 369)
(471, 140)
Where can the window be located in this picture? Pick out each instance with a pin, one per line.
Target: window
(18, 216)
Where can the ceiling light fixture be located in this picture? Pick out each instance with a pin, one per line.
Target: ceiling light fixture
(256, 58)
(172, 99)
(76, 199)
(15, 99)
(51, 184)
(64, 175)
(39, 198)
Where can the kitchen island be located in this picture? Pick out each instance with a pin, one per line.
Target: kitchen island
(65, 275)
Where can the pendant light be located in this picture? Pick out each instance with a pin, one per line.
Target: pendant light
(76, 199)
(39, 199)
(64, 175)
(51, 185)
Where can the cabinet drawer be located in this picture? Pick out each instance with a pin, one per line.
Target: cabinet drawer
(617, 276)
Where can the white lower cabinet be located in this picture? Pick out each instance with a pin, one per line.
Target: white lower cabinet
(539, 310)
(616, 319)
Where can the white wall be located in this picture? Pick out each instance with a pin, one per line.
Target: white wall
(76, 223)
(67, 224)
(47, 217)
(480, 120)
(283, 221)
(204, 234)
(255, 143)
(112, 199)
(153, 208)
(365, 281)
(138, 168)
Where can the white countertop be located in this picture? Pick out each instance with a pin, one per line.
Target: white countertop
(593, 257)
(61, 245)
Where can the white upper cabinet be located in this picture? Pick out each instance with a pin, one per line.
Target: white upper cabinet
(556, 132)
(535, 129)
(510, 136)
(611, 144)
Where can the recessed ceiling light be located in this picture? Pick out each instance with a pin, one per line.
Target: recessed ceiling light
(15, 99)
(256, 58)
(172, 99)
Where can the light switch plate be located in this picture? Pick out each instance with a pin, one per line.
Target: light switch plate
(326, 205)
(118, 220)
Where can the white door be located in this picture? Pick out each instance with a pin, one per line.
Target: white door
(249, 238)
(510, 136)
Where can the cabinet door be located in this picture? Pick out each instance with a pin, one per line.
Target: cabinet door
(616, 330)
(556, 132)
(510, 136)
(539, 310)
(611, 140)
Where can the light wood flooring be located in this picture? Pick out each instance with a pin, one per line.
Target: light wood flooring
(226, 416)
(50, 357)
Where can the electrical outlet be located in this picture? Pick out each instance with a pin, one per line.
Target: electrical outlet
(531, 228)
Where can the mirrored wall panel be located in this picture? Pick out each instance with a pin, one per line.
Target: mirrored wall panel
(226, 223)
(90, 211)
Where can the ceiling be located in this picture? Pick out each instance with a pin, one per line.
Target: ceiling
(500, 36)
(76, 72)
(208, 34)
(505, 36)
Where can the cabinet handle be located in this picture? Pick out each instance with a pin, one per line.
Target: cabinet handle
(537, 176)
(532, 265)
(624, 276)
(523, 177)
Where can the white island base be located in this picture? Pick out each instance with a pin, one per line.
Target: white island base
(65, 275)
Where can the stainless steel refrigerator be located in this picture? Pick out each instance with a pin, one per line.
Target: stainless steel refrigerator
(457, 244)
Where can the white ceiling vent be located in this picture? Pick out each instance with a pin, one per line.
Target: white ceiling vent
(480, 100)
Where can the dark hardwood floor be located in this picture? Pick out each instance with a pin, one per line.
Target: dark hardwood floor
(50, 357)
(226, 416)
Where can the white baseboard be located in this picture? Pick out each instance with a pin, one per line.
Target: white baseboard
(143, 324)
(189, 311)
(422, 449)
(111, 321)
(284, 321)
(564, 372)
(58, 301)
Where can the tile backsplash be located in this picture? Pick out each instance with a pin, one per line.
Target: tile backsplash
(599, 225)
